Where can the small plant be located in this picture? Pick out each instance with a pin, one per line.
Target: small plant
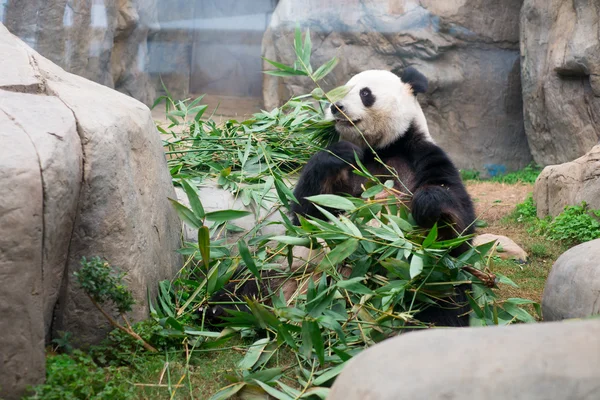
(103, 285)
(469, 175)
(539, 250)
(576, 224)
(525, 212)
(77, 376)
(63, 342)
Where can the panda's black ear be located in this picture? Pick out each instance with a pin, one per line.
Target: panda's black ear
(415, 79)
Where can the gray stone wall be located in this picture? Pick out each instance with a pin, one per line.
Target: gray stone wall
(468, 49)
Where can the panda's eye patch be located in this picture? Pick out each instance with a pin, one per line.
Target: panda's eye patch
(366, 96)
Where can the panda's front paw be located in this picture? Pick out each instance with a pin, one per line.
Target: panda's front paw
(345, 151)
(432, 203)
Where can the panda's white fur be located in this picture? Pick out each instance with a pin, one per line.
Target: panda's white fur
(394, 110)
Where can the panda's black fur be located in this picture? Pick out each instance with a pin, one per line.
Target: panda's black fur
(438, 193)
(424, 169)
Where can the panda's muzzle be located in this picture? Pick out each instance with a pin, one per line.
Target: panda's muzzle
(337, 110)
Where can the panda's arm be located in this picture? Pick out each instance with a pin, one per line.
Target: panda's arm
(440, 193)
(325, 173)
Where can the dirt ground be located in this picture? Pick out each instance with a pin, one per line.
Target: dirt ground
(493, 201)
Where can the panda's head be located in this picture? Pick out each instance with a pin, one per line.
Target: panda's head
(382, 106)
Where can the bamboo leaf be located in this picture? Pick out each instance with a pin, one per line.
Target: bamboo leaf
(204, 244)
(186, 215)
(332, 201)
(416, 266)
(247, 257)
(193, 198)
(253, 354)
(317, 340)
(273, 392)
(329, 374)
(337, 94)
(340, 253)
(325, 69)
(228, 391)
(226, 215)
(431, 237)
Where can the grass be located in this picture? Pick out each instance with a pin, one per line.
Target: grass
(526, 175)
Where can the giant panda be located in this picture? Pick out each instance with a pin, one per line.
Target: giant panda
(384, 108)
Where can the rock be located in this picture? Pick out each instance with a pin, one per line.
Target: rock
(468, 49)
(88, 177)
(522, 362)
(22, 357)
(560, 50)
(103, 41)
(506, 249)
(569, 184)
(573, 286)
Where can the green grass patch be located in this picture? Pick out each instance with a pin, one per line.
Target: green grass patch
(528, 174)
(576, 224)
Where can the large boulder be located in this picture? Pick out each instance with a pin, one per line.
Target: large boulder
(573, 286)
(560, 49)
(85, 175)
(525, 362)
(103, 41)
(569, 184)
(469, 50)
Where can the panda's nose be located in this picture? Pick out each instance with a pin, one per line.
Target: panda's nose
(336, 108)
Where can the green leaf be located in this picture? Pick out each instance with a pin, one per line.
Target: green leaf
(265, 375)
(340, 252)
(193, 198)
(320, 392)
(354, 285)
(431, 237)
(505, 280)
(284, 74)
(307, 345)
(284, 193)
(298, 47)
(226, 215)
(273, 392)
(325, 69)
(282, 67)
(337, 94)
(317, 340)
(332, 201)
(204, 244)
(228, 391)
(317, 93)
(213, 280)
(329, 374)
(416, 266)
(247, 257)
(292, 240)
(517, 312)
(306, 53)
(253, 354)
(186, 214)
(372, 191)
